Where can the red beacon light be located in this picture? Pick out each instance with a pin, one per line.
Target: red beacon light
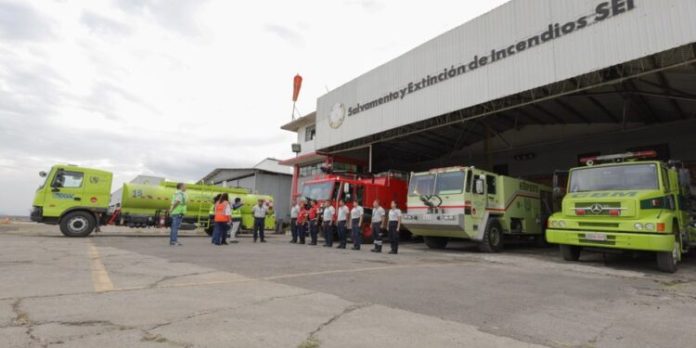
(621, 157)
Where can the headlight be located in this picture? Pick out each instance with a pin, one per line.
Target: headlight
(638, 226)
(650, 227)
(562, 223)
(553, 223)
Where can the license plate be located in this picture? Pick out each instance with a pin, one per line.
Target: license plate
(601, 237)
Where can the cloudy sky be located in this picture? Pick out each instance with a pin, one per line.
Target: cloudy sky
(176, 88)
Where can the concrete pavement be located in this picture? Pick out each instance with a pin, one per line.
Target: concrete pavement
(132, 289)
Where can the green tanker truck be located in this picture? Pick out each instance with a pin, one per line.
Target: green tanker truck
(77, 198)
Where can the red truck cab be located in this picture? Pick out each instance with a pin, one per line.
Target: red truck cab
(386, 187)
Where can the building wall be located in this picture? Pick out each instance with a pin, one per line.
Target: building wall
(307, 146)
(248, 183)
(278, 186)
(650, 27)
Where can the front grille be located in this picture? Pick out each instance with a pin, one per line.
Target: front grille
(599, 224)
(598, 209)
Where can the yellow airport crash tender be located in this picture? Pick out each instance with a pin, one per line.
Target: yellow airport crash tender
(630, 202)
(473, 204)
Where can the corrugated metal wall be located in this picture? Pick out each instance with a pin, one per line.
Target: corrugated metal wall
(277, 186)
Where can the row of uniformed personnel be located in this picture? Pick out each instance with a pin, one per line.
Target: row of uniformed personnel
(308, 216)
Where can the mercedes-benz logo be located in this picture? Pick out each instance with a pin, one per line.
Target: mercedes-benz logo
(596, 208)
(337, 115)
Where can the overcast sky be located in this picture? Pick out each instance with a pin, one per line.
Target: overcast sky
(176, 88)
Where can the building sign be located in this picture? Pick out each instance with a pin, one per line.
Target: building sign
(519, 46)
(602, 12)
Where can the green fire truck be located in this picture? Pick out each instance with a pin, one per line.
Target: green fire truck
(626, 202)
(473, 204)
(78, 198)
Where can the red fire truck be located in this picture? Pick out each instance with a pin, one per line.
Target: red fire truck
(334, 187)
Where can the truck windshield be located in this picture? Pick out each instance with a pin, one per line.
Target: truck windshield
(619, 177)
(422, 184)
(450, 183)
(319, 191)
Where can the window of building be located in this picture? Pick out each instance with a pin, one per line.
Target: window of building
(345, 167)
(310, 133)
(310, 170)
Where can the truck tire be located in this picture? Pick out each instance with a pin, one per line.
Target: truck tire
(209, 230)
(570, 252)
(668, 262)
(492, 238)
(540, 240)
(77, 224)
(436, 242)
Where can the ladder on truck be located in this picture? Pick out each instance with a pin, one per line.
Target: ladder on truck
(203, 216)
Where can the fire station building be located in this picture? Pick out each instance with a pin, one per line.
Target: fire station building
(523, 90)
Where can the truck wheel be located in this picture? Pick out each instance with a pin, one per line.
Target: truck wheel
(209, 230)
(436, 242)
(540, 240)
(493, 238)
(668, 261)
(77, 224)
(570, 252)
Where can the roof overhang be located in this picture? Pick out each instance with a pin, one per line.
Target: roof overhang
(302, 159)
(296, 124)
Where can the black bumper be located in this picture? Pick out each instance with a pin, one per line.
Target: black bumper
(36, 214)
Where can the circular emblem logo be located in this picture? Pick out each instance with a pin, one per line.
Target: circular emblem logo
(94, 179)
(596, 208)
(93, 199)
(337, 115)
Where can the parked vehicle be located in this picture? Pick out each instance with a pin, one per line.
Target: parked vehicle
(77, 198)
(626, 202)
(334, 187)
(473, 204)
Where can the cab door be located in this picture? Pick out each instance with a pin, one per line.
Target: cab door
(479, 197)
(66, 191)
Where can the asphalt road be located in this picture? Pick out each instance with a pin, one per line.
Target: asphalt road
(131, 289)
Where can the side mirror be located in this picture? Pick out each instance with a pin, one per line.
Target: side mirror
(557, 192)
(43, 174)
(479, 186)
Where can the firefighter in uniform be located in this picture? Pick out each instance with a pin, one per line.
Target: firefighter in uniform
(313, 220)
(377, 223)
(394, 225)
(341, 218)
(260, 212)
(328, 217)
(302, 222)
(356, 220)
(293, 221)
